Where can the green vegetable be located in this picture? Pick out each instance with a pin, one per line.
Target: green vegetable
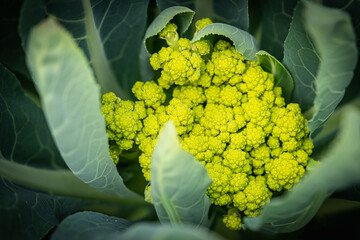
(160, 119)
(228, 114)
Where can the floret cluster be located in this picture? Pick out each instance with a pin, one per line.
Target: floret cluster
(228, 114)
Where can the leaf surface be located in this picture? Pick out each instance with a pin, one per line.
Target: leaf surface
(243, 41)
(283, 78)
(233, 12)
(335, 40)
(181, 16)
(109, 32)
(155, 231)
(25, 136)
(71, 102)
(301, 59)
(27, 214)
(276, 16)
(178, 182)
(89, 225)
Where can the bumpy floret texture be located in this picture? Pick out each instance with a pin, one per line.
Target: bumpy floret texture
(228, 113)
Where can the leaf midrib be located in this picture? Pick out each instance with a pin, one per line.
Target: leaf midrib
(101, 65)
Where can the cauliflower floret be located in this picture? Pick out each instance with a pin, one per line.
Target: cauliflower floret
(254, 196)
(149, 92)
(226, 62)
(232, 219)
(283, 172)
(194, 94)
(181, 113)
(122, 121)
(201, 23)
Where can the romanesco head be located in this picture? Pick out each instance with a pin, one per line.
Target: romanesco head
(228, 114)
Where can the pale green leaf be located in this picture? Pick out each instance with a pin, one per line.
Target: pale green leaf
(334, 37)
(339, 168)
(301, 59)
(283, 78)
(97, 226)
(58, 182)
(243, 41)
(178, 182)
(181, 16)
(89, 225)
(156, 231)
(71, 102)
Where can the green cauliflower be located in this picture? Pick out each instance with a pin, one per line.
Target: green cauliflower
(228, 114)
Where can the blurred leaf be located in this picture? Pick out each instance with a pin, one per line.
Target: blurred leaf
(283, 78)
(71, 102)
(351, 193)
(353, 8)
(302, 60)
(28, 214)
(155, 231)
(178, 182)
(25, 136)
(335, 40)
(339, 168)
(109, 32)
(243, 41)
(276, 19)
(89, 225)
(233, 12)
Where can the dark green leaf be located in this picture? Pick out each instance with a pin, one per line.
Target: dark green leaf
(108, 31)
(243, 41)
(25, 136)
(164, 4)
(27, 214)
(334, 37)
(282, 76)
(173, 174)
(71, 103)
(89, 225)
(233, 12)
(153, 231)
(11, 52)
(276, 18)
(339, 168)
(302, 60)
